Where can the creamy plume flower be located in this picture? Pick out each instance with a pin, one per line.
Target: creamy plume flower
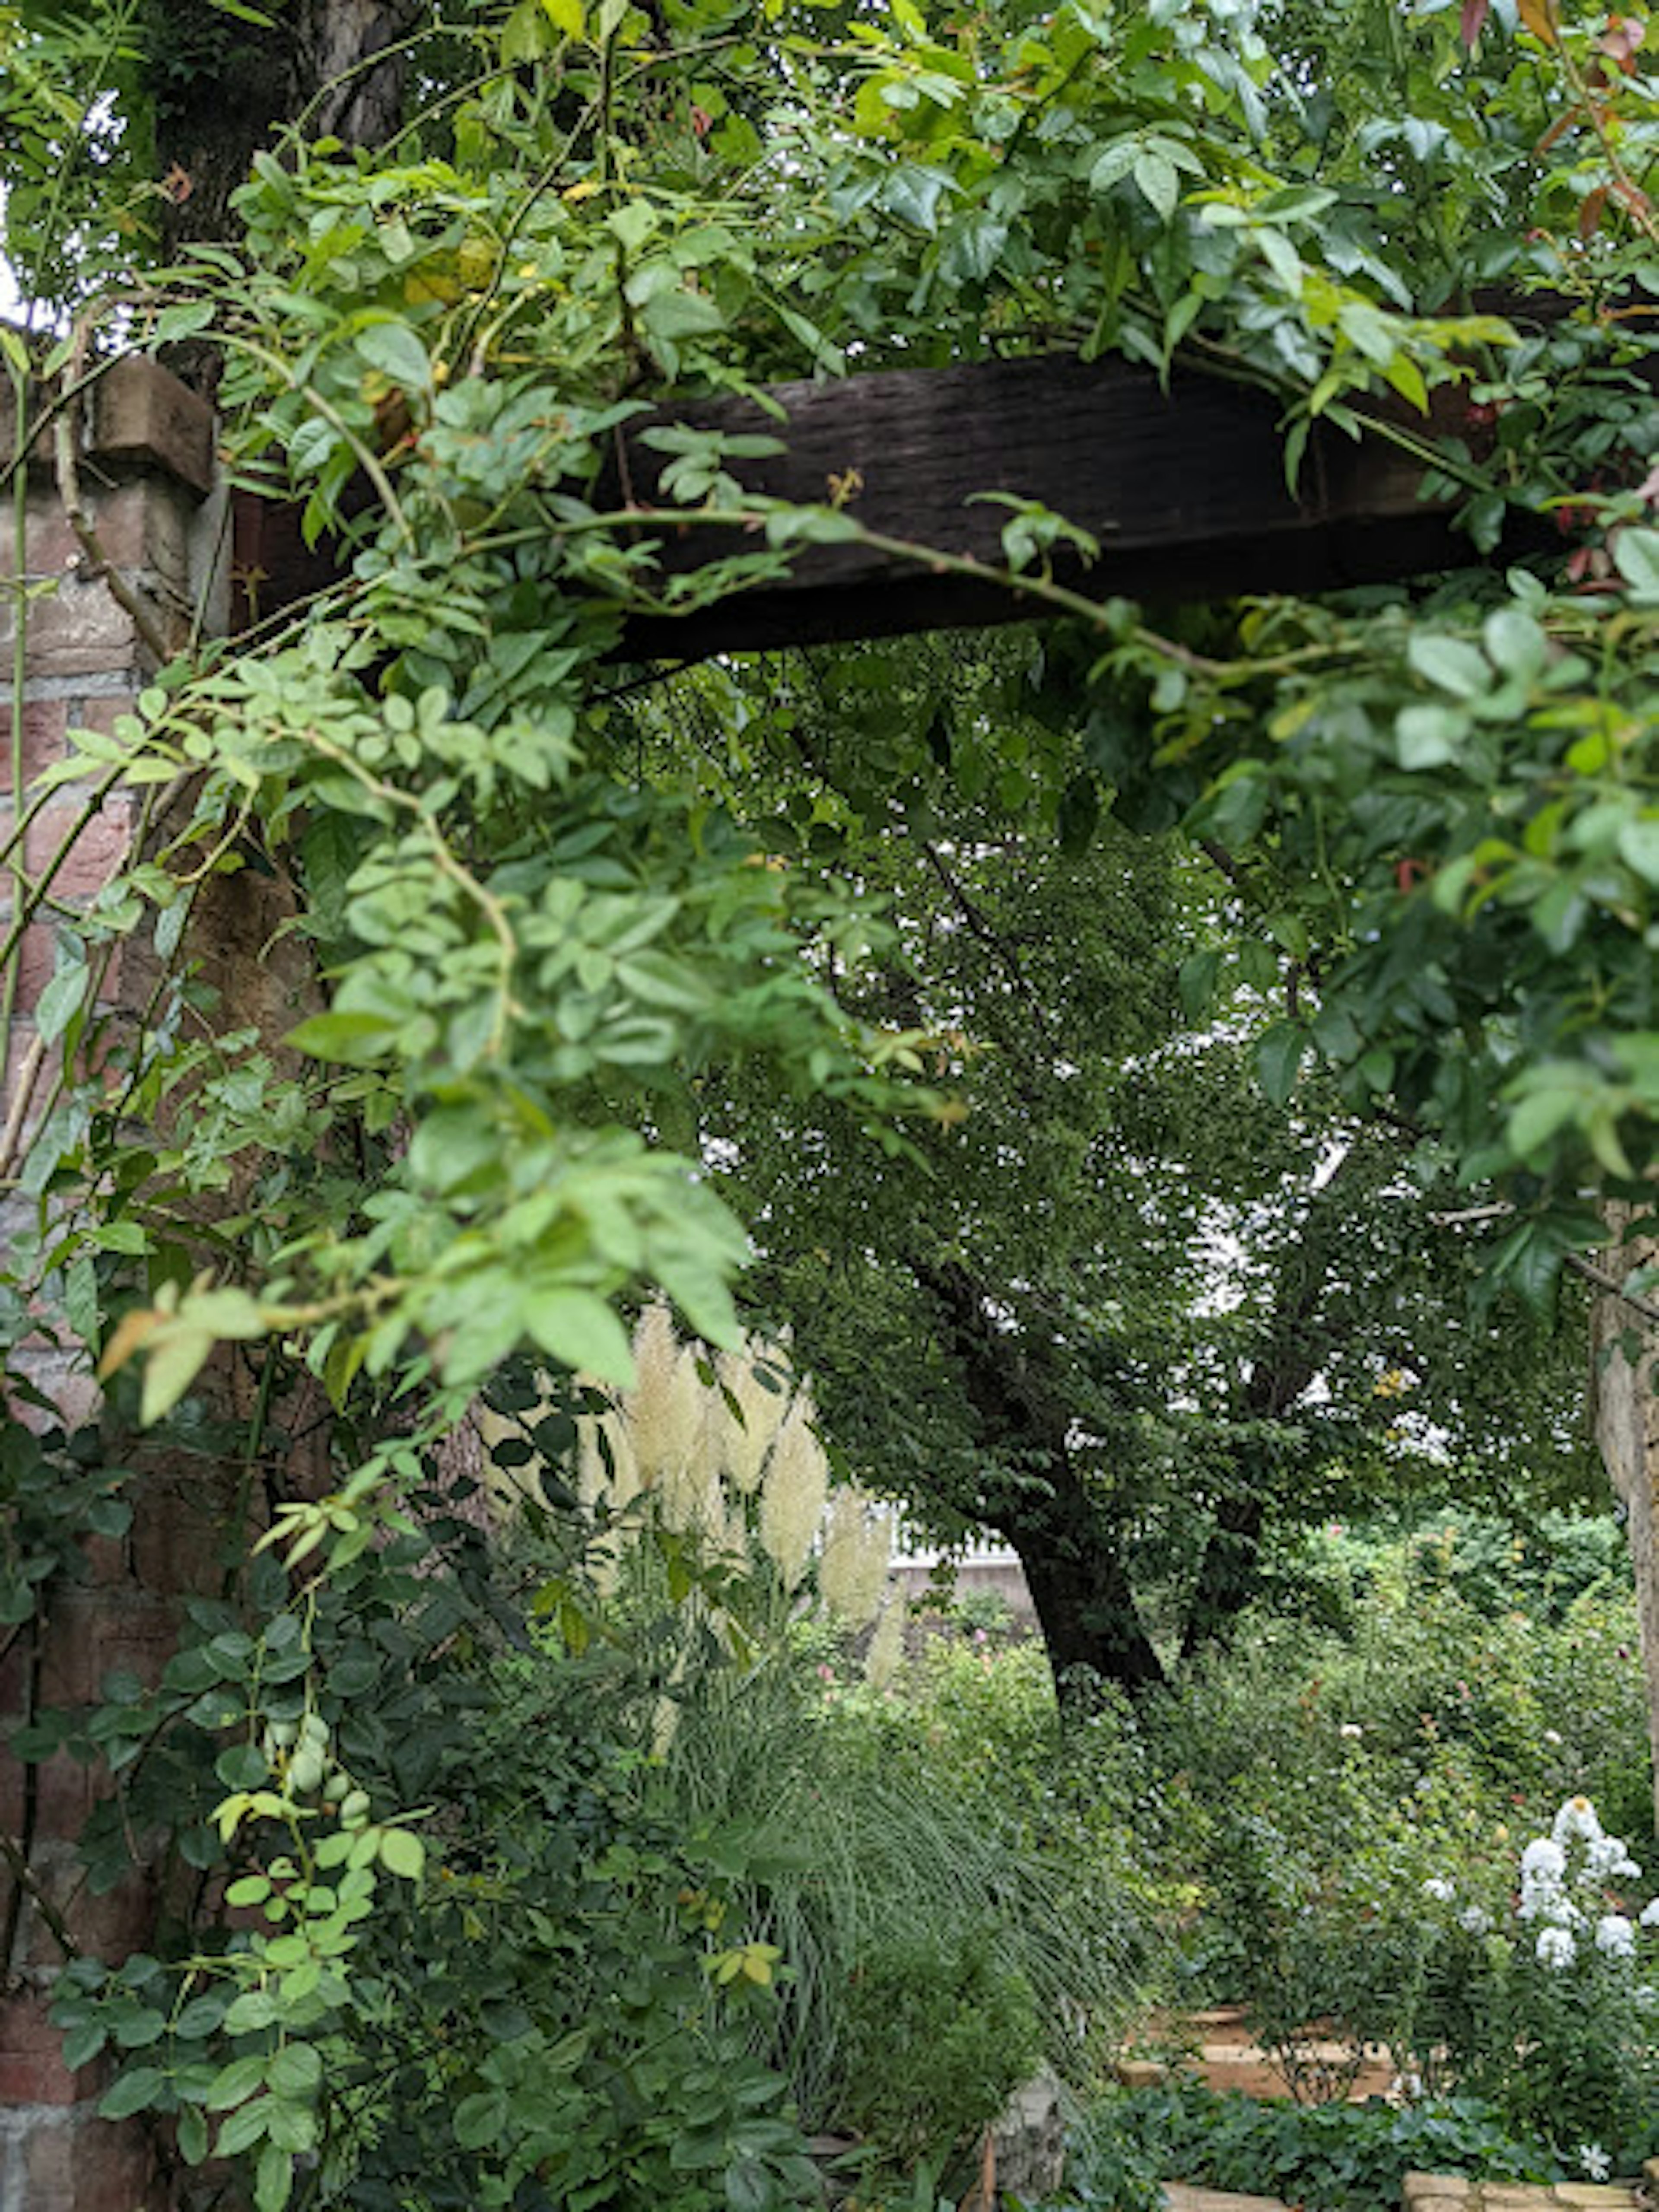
(874, 1555)
(747, 1436)
(655, 1411)
(886, 1646)
(792, 1500)
(689, 1479)
(853, 1565)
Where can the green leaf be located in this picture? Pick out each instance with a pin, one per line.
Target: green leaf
(131, 2092)
(527, 34)
(578, 1328)
(354, 1040)
(396, 350)
(83, 2042)
(1638, 847)
(296, 2070)
(480, 2118)
(1278, 1058)
(401, 1852)
(239, 2081)
(273, 2182)
(1429, 737)
(1159, 183)
(567, 17)
(1451, 664)
(60, 1001)
(678, 314)
(1635, 555)
(176, 1355)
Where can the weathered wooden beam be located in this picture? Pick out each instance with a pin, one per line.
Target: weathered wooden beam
(1184, 488)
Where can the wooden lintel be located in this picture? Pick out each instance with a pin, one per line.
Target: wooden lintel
(1185, 490)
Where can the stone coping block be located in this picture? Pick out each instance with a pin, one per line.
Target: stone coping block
(1453, 2192)
(1179, 2196)
(139, 419)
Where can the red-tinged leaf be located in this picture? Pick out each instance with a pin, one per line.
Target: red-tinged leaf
(1539, 16)
(1473, 20)
(1590, 215)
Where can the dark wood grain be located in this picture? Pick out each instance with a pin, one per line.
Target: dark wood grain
(1185, 489)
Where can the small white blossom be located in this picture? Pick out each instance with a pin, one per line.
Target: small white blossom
(1577, 1817)
(1542, 1856)
(1614, 1936)
(1473, 1921)
(1439, 1889)
(1594, 2161)
(1552, 1736)
(1650, 1913)
(1608, 1860)
(1351, 1729)
(1556, 1948)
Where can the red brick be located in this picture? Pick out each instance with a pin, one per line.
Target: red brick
(77, 630)
(44, 721)
(32, 2068)
(177, 1537)
(139, 529)
(78, 2163)
(97, 849)
(109, 1924)
(91, 1632)
(65, 1791)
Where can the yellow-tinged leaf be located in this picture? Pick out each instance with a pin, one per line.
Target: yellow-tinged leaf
(583, 190)
(566, 16)
(1407, 377)
(1539, 16)
(133, 1331)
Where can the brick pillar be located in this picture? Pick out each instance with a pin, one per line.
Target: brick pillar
(146, 483)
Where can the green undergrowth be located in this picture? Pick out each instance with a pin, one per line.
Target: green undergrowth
(1325, 2158)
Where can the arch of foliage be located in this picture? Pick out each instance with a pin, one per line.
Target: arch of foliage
(1438, 805)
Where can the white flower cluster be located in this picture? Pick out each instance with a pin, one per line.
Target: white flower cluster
(1564, 1877)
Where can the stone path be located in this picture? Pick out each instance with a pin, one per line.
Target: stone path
(1452, 2192)
(1226, 2058)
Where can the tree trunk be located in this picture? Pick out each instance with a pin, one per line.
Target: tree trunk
(1287, 1364)
(1068, 1548)
(1624, 1387)
(1084, 1606)
(221, 88)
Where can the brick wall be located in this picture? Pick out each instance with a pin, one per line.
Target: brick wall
(146, 468)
